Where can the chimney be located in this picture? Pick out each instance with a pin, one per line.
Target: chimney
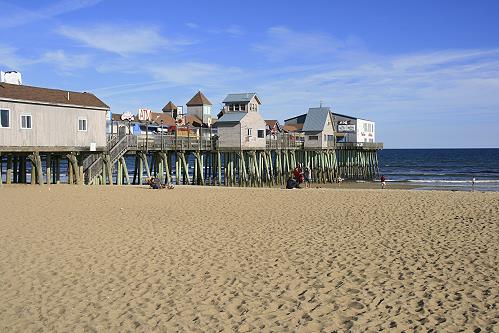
(11, 77)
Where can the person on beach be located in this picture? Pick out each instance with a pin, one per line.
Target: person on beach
(307, 175)
(291, 183)
(383, 182)
(155, 184)
(298, 174)
(473, 185)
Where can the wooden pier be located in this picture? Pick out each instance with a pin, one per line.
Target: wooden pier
(189, 160)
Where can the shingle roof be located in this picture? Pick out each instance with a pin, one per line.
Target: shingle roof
(50, 96)
(167, 119)
(316, 119)
(193, 120)
(271, 122)
(293, 128)
(231, 117)
(198, 100)
(169, 107)
(242, 97)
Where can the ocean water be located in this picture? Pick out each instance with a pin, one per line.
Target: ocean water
(450, 169)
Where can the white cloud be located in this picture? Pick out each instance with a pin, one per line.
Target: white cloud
(18, 16)
(123, 40)
(192, 25)
(9, 57)
(66, 62)
(231, 31)
(282, 43)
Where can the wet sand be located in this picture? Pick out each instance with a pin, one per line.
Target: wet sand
(117, 259)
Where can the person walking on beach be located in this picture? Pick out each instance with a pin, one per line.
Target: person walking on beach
(383, 182)
(307, 175)
(473, 185)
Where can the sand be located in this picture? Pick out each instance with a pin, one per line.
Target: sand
(117, 259)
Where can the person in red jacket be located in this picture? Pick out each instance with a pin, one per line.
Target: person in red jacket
(383, 181)
(298, 174)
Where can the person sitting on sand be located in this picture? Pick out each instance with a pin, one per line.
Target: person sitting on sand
(291, 183)
(155, 184)
(383, 182)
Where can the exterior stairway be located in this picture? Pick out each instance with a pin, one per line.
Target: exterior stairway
(93, 164)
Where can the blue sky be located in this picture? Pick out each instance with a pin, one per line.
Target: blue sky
(426, 71)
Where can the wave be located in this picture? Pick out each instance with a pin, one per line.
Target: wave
(443, 181)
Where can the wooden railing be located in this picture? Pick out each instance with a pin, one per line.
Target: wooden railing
(357, 145)
(171, 142)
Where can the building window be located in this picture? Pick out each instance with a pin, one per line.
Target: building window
(250, 131)
(4, 118)
(82, 124)
(261, 133)
(330, 138)
(207, 110)
(231, 107)
(26, 121)
(313, 138)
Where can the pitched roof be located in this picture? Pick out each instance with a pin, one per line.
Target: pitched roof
(198, 100)
(271, 122)
(316, 119)
(193, 120)
(242, 97)
(50, 96)
(231, 117)
(167, 119)
(169, 107)
(293, 128)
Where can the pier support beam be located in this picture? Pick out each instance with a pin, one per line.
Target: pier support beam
(48, 168)
(8, 179)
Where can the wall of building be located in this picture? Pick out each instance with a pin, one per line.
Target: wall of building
(348, 136)
(199, 112)
(229, 136)
(313, 143)
(53, 126)
(365, 131)
(254, 121)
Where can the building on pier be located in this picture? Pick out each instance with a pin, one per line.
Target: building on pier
(38, 119)
(170, 109)
(347, 128)
(318, 128)
(353, 129)
(241, 125)
(199, 110)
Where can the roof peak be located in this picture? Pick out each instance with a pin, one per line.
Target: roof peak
(199, 99)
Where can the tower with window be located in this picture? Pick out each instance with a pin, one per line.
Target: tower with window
(200, 106)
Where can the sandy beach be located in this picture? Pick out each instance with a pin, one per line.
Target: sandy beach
(193, 259)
